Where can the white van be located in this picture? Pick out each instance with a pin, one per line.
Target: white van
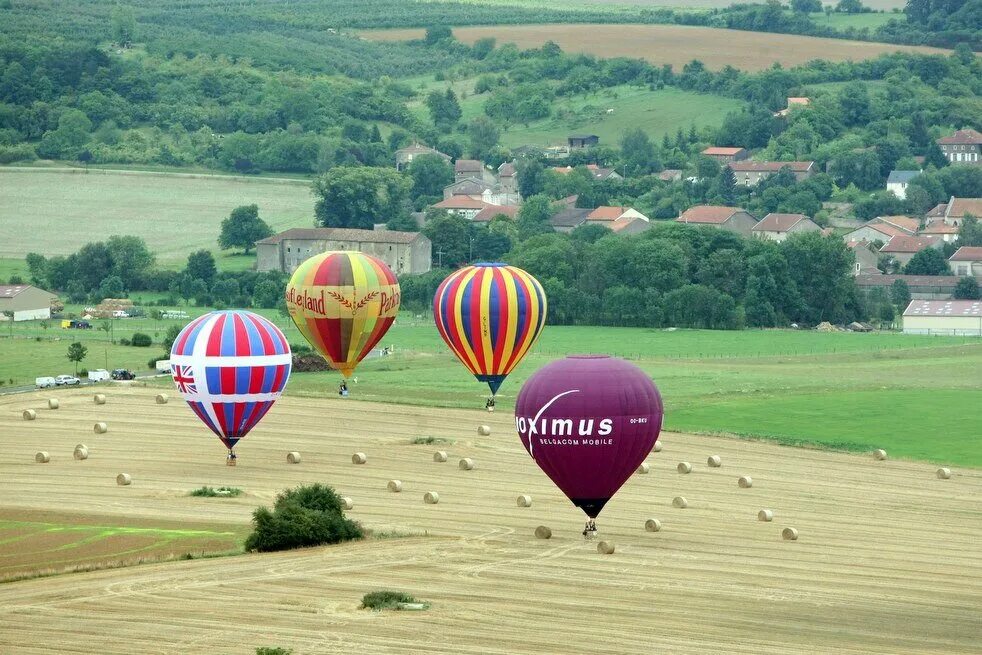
(42, 383)
(99, 375)
(163, 366)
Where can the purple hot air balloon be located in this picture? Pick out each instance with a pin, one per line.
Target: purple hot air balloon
(588, 421)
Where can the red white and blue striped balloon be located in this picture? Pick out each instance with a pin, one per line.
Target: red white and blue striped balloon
(230, 367)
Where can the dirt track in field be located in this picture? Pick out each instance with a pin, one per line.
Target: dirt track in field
(672, 44)
(887, 560)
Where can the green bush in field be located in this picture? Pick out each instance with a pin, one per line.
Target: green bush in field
(381, 600)
(306, 516)
(273, 650)
(141, 340)
(221, 492)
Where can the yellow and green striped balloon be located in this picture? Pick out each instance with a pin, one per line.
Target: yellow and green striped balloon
(343, 302)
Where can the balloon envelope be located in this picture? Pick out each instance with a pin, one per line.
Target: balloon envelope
(490, 315)
(230, 367)
(588, 422)
(343, 303)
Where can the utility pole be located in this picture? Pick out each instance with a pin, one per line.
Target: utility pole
(439, 254)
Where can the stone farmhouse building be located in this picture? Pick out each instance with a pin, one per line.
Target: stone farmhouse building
(403, 252)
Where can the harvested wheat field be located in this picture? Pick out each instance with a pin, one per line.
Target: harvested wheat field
(672, 44)
(886, 560)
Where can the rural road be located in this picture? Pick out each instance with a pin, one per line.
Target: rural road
(85, 383)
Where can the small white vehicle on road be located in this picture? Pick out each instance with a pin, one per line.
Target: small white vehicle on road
(45, 382)
(63, 380)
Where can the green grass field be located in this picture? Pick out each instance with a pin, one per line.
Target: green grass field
(174, 213)
(842, 21)
(656, 112)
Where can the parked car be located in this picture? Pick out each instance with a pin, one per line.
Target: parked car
(62, 380)
(123, 374)
(119, 313)
(99, 375)
(163, 366)
(75, 325)
(42, 383)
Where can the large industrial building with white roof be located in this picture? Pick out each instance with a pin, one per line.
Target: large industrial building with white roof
(944, 317)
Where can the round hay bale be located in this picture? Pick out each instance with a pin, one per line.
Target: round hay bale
(53, 403)
(745, 482)
(293, 457)
(81, 446)
(100, 428)
(880, 454)
(30, 415)
(161, 399)
(766, 515)
(543, 532)
(652, 525)
(684, 467)
(714, 461)
(484, 430)
(358, 458)
(124, 479)
(347, 503)
(789, 534)
(466, 464)
(680, 502)
(944, 473)
(395, 486)
(81, 453)
(644, 469)
(605, 548)
(524, 501)
(657, 447)
(42, 457)
(99, 398)
(440, 456)
(431, 498)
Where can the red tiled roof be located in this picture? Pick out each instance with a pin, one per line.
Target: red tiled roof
(940, 228)
(506, 170)
(903, 222)
(944, 308)
(622, 223)
(708, 214)
(913, 281)
(770, 166)
(905, 243)
(461, 202)
(606, 213)
(958, 207)
(938, 210)
(468, 165)
(886, 230)
(490, 211)
(967, 254)
(342, 234)
(721, 152)
(853, 244)
(779, 222)
(963, 137)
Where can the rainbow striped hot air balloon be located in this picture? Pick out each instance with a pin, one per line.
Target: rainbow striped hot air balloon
(490, 315)
(343, 303)
(230, 367)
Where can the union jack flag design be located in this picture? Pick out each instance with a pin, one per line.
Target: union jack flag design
(230, 367)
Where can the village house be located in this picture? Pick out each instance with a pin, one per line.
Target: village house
(405, 156)
(944, 317)
(465, 168)
(607, 214)
(403, 252)
(875, 232)
(467, 186)
(598, 172)
(669, 175)
(508, 177)
(897, 182)
(629, 224)
(941, 230)
(955, 210)
(903, 247)
(905, 224)
(777, 227)
(967, 260)
(793, 103)
(490, 211)
(25, 302)
(463, 206)
(922, 287)
(751, 173)
(865, 256)
(725, 155)
(962, 147)
(582, 140)
(733, 219)
(568, 219)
